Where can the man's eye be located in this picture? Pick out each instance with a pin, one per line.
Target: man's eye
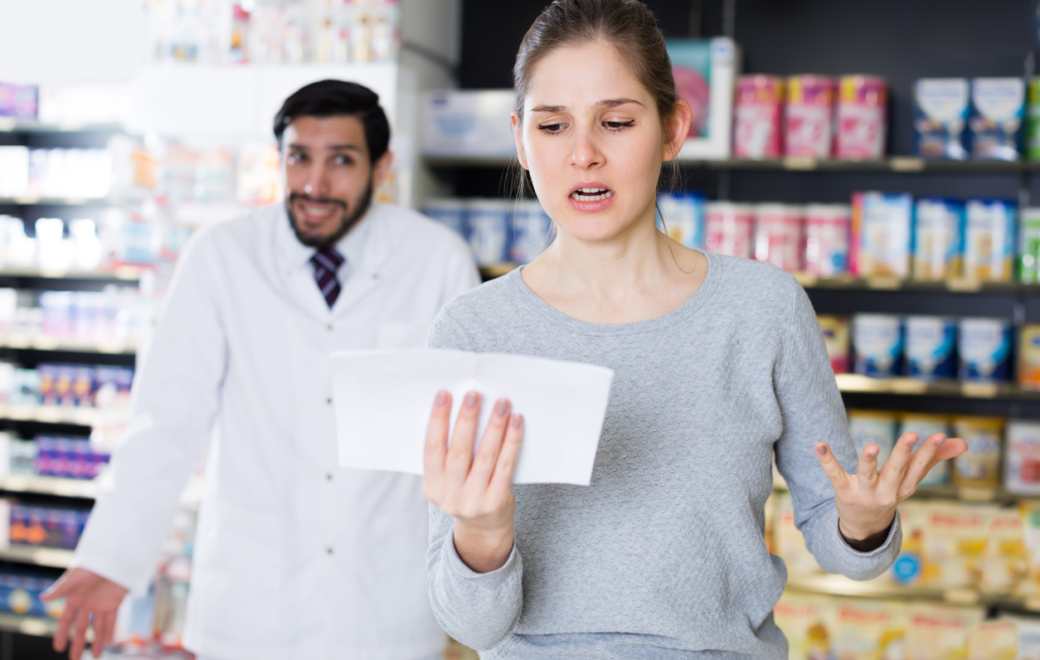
(296, 158)
(551, 128)
(344, 160)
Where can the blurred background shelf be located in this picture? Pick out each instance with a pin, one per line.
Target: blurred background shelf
(50, 557)
(882, 588)
(28, 625)
(17, 483)
(60, 414)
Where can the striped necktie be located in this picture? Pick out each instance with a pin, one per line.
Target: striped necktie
(326, 262)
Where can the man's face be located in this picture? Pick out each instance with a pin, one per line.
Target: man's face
(329, 177)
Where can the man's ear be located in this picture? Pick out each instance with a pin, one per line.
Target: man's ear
(381, 169)
(514, 120)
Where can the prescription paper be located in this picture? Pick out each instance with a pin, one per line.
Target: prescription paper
(383, 400)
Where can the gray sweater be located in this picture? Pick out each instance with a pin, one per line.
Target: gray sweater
(663, 555)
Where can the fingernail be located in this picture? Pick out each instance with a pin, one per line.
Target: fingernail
(441, 397)
(518, 421)
(471, 399)
(501, 407)
(941, 441)
(914, 440)
(822, 450)
(874, 453)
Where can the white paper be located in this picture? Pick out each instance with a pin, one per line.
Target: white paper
(383, 400)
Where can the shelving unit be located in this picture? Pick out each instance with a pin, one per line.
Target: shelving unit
(50, 557)
(28, 625)
(18, 483)
(883, 588)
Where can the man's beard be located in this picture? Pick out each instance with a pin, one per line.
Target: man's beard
(349, 219)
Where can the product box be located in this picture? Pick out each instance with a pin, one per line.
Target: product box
(980, 465)
(1004, 563)
(1030, 512)
(789, 542)
(1032, 129)
(1029, 356)
(778, 235)
(881, 224)
(908, 568)
(861, 117)
(930, 347)
(25, 387)
(532, 232)
(865, 630)
(877, 344)
(997, 110)
(809, 116)
(938, 239)
(489, 221)
(940, 116)
(1022, 458)
(954, 540)
(938, 631)
(827, 239)
(705, 74)
(985, 350)
(989, 240)
(925, 426)
(449, 212)
(836, 338)
(728, 228)
(20, 595)
(469, 123)
(682, 217)
(1029, 246)
(868, 427)
(19, 101)
(994, 640)
(757, 117)
(807, 622)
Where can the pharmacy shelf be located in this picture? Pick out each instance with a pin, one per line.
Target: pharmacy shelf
(28, 625)
(28, 483)
(57, 201)
(12, 125)
(44, 343)
(61, 414)
(855, 383)
(894, 164)
(25, 554)
(884, 588)
(122, 274)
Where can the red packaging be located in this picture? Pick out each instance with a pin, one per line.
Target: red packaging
(827, 239)
(861, 118)
(778, 235)
(756, 131)
(808, 116)
(727, 228)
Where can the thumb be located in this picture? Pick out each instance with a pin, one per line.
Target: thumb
(834, 471)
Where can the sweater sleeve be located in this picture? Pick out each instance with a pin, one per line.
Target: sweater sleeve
(477, 609)
(813, 411)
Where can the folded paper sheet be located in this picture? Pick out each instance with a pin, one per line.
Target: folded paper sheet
(383, 400)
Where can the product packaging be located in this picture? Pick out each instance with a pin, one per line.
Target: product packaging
(868, 427)
(705, 72)
(728, 228)
(985, 350)
(1030, 512)
(980, 465)
(1022, 458)
(862, 118)
(908, 568)
(827, 239)
(532, 232)
(865, 630)
(1029, 356)
(938, 239)
(954, 541)
(19, 101)
(682, 215)
(778, 235)
(1031, 133)
(469, 123)
(789, 542)
(808, 116)
(989, 240)
(25, 387)
(489, 221)
(938, 631)
(1029, 246)
(877, 344)
(759, 109)
(940, 116)
(925, 426)
(836, 338)
(930, 347)
(997, 109)
(1004, 563)
(449, 212)
(881, 225)
(806, 621)
(994, 640)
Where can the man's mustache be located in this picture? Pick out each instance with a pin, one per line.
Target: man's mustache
(303, 197)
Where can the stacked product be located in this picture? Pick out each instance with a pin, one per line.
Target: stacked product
(19, 101)
(498, 230)
(957, 118)
(101, 386)
(46, 526)
(20, 594)
(68, 458)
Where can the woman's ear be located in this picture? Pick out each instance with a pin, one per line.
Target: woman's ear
(676, 129)
(514, 119)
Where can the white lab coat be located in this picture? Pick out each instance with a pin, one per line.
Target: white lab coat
(295, 557)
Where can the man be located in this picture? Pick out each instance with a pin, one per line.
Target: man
(295, 557)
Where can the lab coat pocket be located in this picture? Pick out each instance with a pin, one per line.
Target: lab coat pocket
(400, 335)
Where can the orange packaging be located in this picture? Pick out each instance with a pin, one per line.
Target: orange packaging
(1029, 356)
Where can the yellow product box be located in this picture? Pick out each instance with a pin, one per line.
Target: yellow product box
(937, 632)
(1029, 356)
(954, 540)
(979, 467)
(806, 621)
(908, 568)
(1030, 513)
(836, 338)
(994, 640)
(789, 543)
(869, 630)
(1005, 561)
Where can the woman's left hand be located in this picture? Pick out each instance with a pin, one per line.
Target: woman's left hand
(867, 500)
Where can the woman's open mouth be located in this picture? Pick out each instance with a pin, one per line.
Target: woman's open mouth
(591, 197)
(591, 194)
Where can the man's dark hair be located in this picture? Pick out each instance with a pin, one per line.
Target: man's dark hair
(332, 98)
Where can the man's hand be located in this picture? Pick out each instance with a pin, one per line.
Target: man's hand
(89, 599)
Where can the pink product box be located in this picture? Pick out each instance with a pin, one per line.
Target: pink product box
(728, 229)
(827, 239)
(808, 119)
(19, 101)
(778, 236)
(758, 113)
(862, 122)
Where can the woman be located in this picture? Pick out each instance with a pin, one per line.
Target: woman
(719, 365)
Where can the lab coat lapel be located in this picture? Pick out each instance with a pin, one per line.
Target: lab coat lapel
(369, 273)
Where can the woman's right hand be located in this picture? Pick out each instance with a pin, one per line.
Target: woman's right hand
(475, 489)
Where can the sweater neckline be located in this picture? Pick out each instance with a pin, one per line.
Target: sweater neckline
(695, 302)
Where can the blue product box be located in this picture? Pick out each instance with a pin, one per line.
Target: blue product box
(940, 116)
(938, 238)
(449, 212)
(877, 344)
(985, 350)
(682, 217)
(532, 232)
(930, 347)
(489, 230)
(995, 126)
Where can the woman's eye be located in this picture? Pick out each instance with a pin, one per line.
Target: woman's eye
(550, 128)
(619, 125)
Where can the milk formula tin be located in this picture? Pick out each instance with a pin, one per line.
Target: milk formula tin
(985, 350)
(778, 235)
(489, 230)
(874, 428)
(827, 239)
(862, 118)
(989, 240)
(997, 110)
(808, 117)
(449, 212)
(835, 331)
(941, 116)
(682, 217)
(728, 228)
(759, 107)
(938, 239)
(1029, 247)
(930, 347)
(877, 344)
(1022, 458)
(1029, 356)
(881, 234)
(532, 232)
(925, 426)
(980, 465)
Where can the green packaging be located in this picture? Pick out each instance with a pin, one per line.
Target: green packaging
(1029, 247)
(1032, 127)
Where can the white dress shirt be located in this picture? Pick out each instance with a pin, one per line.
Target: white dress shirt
(295, 557)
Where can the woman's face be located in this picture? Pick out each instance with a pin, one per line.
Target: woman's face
(593, 142)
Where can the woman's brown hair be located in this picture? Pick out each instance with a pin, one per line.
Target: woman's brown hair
(627, 25)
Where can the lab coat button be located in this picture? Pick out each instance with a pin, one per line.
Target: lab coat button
(328, 476)
(329, 400)
(329, 326)
(329, 550)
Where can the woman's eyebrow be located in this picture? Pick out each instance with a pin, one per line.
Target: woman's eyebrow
(606, 103)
